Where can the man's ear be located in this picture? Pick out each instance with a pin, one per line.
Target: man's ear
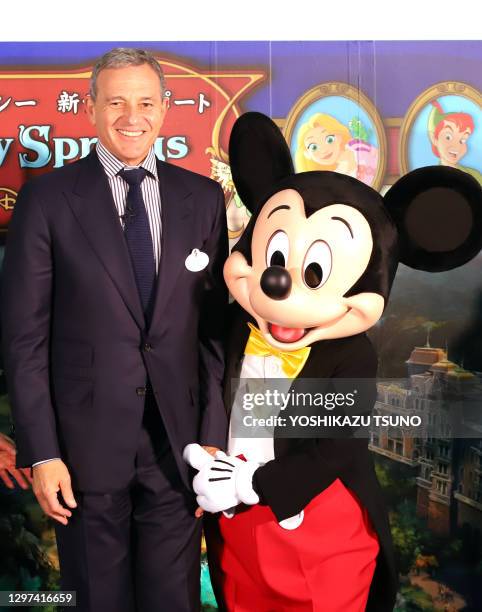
(438, 214)
(259, 158)
(90, 108)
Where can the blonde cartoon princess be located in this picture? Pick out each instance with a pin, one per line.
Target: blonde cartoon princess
(324, 143)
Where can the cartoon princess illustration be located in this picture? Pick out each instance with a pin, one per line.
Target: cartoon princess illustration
(449, 134)
(324, 143)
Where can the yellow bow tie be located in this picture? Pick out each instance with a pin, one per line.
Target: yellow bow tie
(292, 361)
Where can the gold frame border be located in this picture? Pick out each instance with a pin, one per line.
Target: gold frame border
(443, 88)
(344, 90)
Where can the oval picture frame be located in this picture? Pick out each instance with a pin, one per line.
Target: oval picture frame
(445, 92)
(317, 99)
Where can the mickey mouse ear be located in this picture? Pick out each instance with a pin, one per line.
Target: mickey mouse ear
(259, 158)
(438, 213)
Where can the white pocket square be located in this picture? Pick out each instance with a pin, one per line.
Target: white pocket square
(196, 260)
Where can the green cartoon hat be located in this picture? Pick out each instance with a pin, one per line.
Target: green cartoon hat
(435, 117)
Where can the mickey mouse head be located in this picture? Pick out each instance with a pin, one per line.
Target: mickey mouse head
(318, 258)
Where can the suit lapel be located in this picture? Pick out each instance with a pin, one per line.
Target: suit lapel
(177, 236)
(93, 206)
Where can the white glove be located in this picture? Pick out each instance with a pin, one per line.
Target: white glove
(236, 488)
(196, 456)
(222, 482)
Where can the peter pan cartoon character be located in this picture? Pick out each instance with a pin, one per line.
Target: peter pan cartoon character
(449, 134)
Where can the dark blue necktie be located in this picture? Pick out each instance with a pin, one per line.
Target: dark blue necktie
(138, 236)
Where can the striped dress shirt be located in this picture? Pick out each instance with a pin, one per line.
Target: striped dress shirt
(149, 188)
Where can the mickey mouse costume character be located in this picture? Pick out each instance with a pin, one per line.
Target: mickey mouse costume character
(310, 275)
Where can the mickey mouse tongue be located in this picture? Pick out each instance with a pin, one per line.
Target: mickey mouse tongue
(286, 334)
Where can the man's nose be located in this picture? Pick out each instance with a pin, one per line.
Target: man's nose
(132, 114)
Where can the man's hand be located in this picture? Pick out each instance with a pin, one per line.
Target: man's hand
(48, 479)
(7, 465)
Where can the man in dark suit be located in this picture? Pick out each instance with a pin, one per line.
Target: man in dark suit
(113, 312)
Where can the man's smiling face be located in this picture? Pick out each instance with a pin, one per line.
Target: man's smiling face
(128, 111)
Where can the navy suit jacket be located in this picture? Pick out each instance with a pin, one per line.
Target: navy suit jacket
(76, 348)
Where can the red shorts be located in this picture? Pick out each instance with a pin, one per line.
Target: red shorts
(325, 565)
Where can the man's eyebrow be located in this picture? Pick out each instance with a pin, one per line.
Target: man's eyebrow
(282, 207)
(344, 222)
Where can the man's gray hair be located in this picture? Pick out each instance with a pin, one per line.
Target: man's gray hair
(125, 56)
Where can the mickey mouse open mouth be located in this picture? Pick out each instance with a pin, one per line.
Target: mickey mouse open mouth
(290, 335)
(287, 334)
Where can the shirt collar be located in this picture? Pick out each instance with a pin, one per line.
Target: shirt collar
(112, 165)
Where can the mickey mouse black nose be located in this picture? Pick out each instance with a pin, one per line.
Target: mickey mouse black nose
(276, 282)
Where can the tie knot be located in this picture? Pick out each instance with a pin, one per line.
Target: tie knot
(134, 176)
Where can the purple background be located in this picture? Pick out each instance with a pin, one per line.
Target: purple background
(392, 74)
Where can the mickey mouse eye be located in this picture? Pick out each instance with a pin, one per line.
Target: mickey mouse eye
(317, 265)
(277, 250)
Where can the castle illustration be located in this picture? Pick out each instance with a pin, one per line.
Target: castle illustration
(446, 454)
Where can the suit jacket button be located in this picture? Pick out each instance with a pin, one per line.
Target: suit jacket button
(147, 347)
(141, 390)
